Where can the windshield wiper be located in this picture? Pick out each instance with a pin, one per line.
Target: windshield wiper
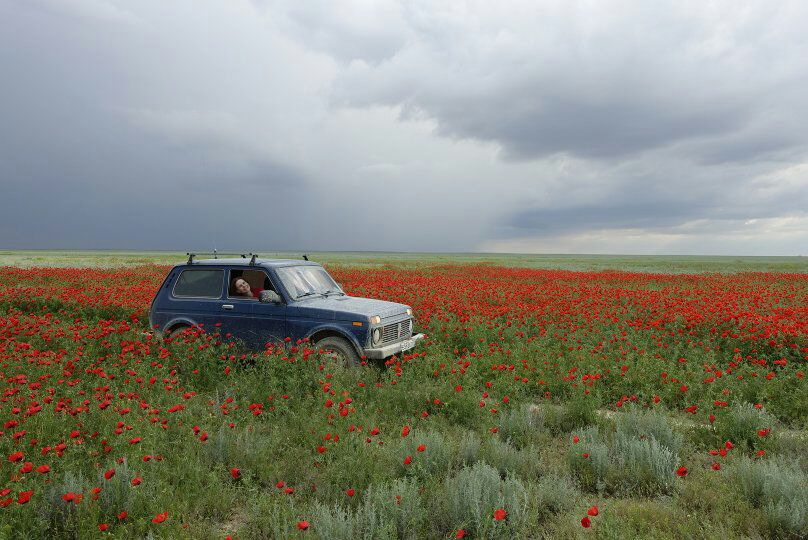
(308, 294)
(332, 291)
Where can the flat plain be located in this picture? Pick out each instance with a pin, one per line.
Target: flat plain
(555, 396)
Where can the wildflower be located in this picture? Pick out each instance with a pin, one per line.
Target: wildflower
(235, 472)
(302, 525)
(407, 460)
(593, 511)
(24, 496)
(103, 527)
(500, 514)
(585, 522)
(350, 492)
(109, 474)
(405, 431)
(161, 517)
(122, 515)
(575, 439)
(421, 447)
(681, 471)
(716, 466)
(461, 533)
(42, 469)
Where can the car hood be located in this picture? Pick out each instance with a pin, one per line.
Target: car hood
(348, 307)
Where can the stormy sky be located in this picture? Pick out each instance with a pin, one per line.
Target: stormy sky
(548, 127)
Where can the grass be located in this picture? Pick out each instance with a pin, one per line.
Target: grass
(587, 263)
(540, 394)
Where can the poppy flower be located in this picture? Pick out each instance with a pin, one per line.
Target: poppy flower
(421, 447)
(681, 471)
(103, 527)
(26, 467)
(585, 522)
(280, 484)
(460, 533)
(136, 481)
(302, 525)
(405, 431)
(235, 472)
(24, 496)
(575, 439)
(593, 511)
(42, 469)
(716, 466)
(16, 456)
(407, 460)
(350, 492)
(122, 515)
(161, 517)
(109, 474)
(500, 514)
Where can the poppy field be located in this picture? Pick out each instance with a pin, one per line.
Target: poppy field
(541, 404)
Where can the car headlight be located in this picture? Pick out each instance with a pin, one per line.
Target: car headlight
(377, 335)
(409, 311)
(375, 319)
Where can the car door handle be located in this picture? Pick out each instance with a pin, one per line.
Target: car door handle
(227, 306)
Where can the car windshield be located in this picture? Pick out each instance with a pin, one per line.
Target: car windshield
(303, 281)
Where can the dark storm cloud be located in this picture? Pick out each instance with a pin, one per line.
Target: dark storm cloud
(400, 125)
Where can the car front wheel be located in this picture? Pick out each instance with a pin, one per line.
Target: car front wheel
(340, 349)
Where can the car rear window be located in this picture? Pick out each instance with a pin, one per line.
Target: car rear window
(200, 283)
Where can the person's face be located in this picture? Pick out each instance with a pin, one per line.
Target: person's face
(242, 287)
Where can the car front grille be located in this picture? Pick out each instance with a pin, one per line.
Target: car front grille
(397, 331)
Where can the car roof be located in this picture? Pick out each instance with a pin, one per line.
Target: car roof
(275, 263)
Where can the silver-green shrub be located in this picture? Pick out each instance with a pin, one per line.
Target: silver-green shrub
(780, 489)
(475, 492)
(468, 450)
(645, 466)
(639, 424)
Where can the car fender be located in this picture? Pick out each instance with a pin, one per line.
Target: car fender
(342, 333)
(186, 321)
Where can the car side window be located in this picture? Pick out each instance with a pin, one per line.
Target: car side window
(248, 284)
(199, 283)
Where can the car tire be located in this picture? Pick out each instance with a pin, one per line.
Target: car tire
(341, 349)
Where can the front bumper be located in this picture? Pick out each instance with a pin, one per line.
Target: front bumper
(393, 348)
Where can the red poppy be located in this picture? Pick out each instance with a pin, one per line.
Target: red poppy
(159, 518)
(421, 447)
(350, 492)
(16, 456)
(407, 460)
(122, 515)
(500, 514)
(681, 471)
(593, 511)
(109, 474)
(302, 525)
(235, 472)
(716, 466)
(103, 527)
(136, 481)
(460, 533)
(42, 469)
(24, 496)
(585, 522)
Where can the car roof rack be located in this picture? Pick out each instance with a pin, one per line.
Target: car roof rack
(216, 256)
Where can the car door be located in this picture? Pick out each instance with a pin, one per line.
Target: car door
(195, 296)
(235, 313)
(269, 320)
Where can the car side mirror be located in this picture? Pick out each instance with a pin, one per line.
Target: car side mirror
(269, 297)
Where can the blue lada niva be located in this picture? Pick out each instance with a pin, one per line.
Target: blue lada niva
(260, 301)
